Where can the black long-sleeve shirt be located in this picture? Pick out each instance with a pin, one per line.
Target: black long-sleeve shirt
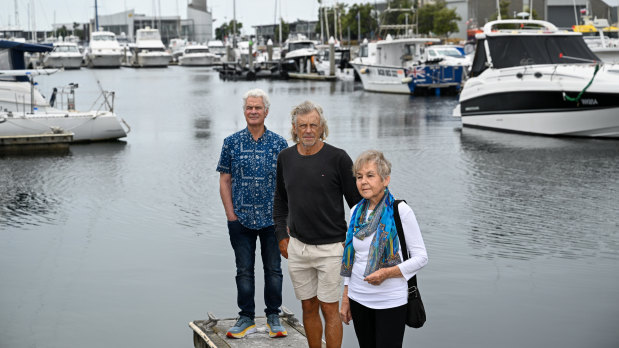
(309, 195)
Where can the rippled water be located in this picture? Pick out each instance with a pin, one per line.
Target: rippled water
(122, 244)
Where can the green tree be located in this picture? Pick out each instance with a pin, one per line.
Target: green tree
(62, 31)
(285, 32)
(350, 21)
(436, 18)
(227, 29)
(504, 9)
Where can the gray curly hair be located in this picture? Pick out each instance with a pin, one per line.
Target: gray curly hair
(303, 109)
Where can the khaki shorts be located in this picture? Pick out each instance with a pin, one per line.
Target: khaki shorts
(315, 270)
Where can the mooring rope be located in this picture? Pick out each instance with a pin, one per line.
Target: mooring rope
(577, 98)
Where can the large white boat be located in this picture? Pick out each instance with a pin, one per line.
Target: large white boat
(25, 112)
(149, 51)
(198, 55)
(65, 55)
(401, 66)
(535, 78)
(103, 50)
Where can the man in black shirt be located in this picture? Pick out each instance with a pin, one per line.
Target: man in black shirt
(313, 177)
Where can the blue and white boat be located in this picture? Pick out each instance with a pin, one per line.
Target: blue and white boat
(401, 66)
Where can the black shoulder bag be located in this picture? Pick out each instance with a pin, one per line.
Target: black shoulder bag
(415, 312)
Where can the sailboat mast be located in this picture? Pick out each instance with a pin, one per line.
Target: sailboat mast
(96, 17)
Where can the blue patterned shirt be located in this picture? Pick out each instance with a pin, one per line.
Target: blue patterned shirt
(253, 166)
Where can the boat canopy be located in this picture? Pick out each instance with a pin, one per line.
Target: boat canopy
(518, 50)
(12, 54)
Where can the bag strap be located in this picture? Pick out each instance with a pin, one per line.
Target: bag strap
(398, 224)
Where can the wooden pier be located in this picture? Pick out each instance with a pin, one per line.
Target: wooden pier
(211, 333)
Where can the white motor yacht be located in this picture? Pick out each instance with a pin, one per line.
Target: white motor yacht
(103, 50)
(25, 112)
(198, 55)
(535, 78)
(65, 55)
(149, 50)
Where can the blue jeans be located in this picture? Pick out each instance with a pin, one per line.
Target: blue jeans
(243, 242)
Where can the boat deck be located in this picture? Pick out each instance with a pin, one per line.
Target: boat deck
(211, 333)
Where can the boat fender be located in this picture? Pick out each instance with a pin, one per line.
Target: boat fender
(364, 71)
(2, 119)
(407, 80)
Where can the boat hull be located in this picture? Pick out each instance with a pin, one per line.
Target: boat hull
(568, 100)
(85, 126)
(104, 60)
(63, 62)
(196, 60)
(392, 79)
(603, 123)
(154, 60)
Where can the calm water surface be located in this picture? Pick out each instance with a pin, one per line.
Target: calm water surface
(122, 244)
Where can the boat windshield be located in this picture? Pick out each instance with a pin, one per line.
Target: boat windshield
(103, 37)
(149, 35)
(197, 50)
(517, 50)
(442, 52)
(64, 48)
(299, 45)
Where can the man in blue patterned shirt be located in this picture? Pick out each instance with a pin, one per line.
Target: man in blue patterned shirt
(247, 168)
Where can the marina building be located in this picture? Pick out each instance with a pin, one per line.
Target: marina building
(198, 26)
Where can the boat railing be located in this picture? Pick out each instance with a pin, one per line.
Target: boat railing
(524, 25)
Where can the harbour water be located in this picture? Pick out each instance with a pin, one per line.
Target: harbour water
(122, 244)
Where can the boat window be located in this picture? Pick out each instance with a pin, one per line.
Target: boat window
(612, 34)
(450, 52)
(103, 37)
(65, 49)
(508, 51)
(152, 49)
(363, 51)
(432, 53)
(299, 45)
(480, 60)
(197, 50)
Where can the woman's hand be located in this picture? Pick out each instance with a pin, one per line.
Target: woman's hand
(345, 308)
(379, 276)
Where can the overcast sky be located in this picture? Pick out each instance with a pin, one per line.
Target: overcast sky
(248, 12)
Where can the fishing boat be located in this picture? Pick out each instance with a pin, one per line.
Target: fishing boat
(149, 51)
(528, 76)
(401, 66)
(25, 113)
(64, 55)
(103, 51)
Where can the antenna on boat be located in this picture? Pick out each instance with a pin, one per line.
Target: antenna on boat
(498, 10)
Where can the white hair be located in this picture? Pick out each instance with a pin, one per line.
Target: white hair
(257, 93)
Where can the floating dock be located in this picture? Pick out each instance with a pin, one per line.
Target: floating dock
(211, 333)
(38, 139)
